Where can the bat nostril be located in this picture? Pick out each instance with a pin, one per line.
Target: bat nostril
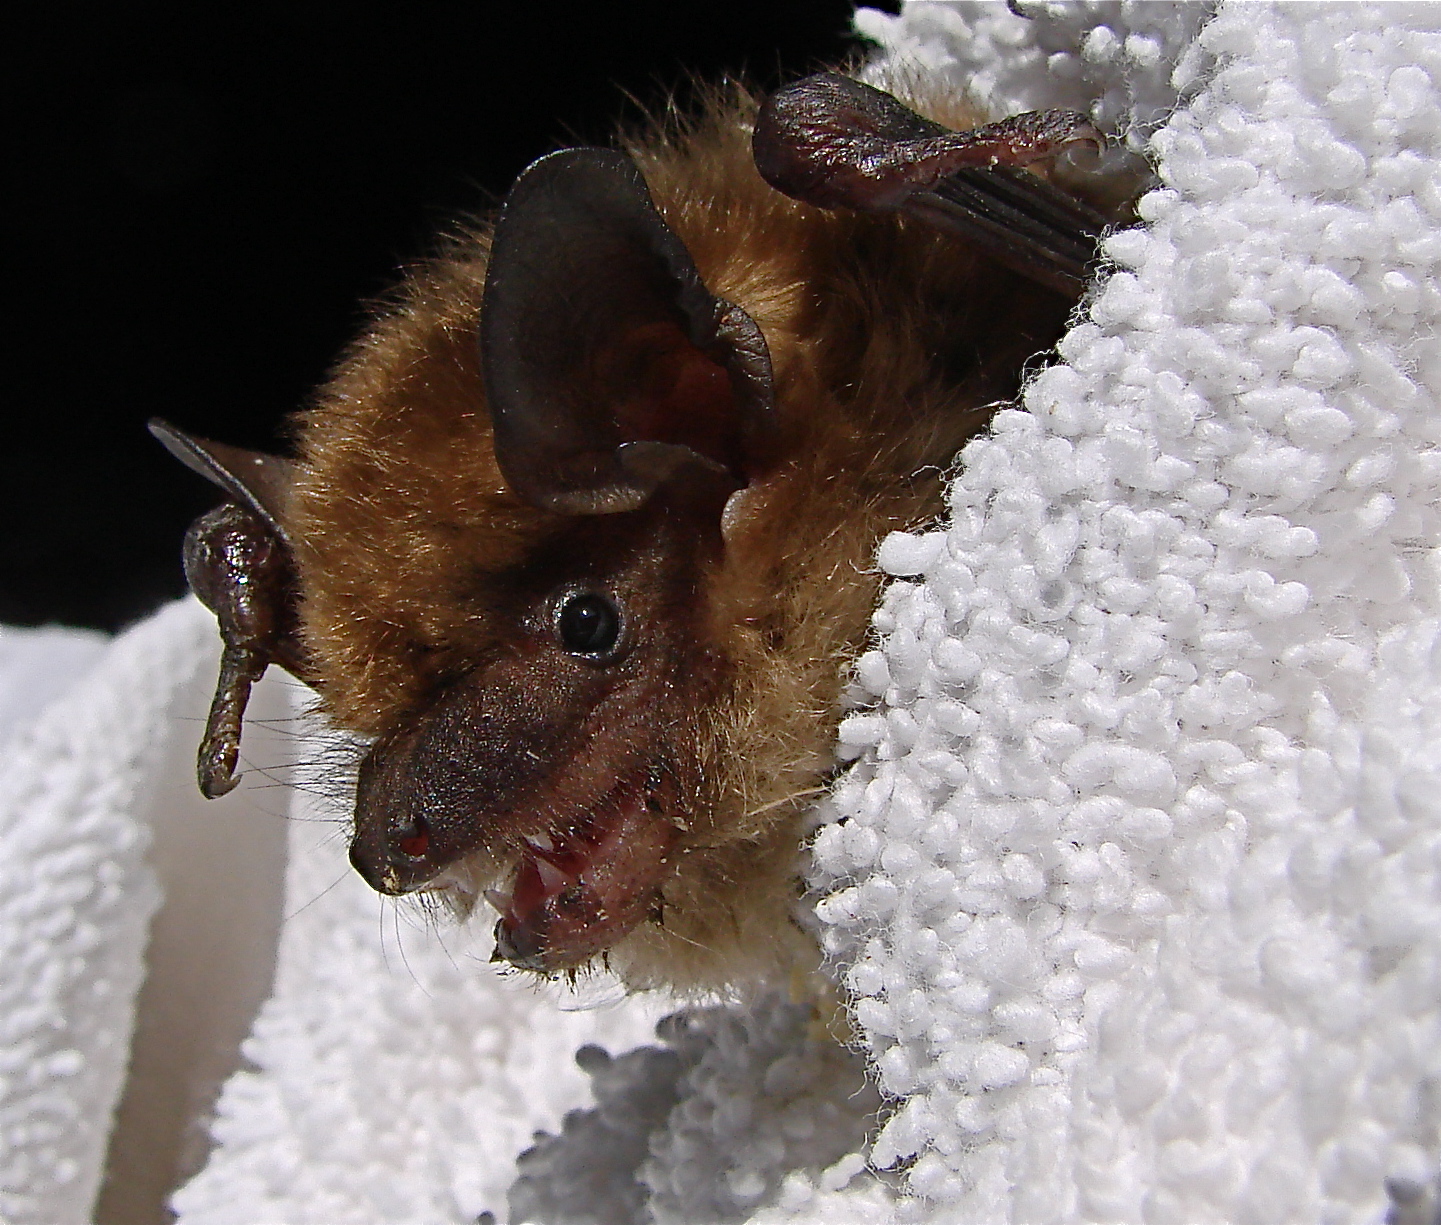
(412, 838)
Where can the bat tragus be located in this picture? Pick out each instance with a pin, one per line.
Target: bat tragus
(578, 538)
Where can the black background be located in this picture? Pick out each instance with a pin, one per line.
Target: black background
(207, 195)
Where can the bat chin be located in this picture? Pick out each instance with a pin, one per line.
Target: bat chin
(577, 893)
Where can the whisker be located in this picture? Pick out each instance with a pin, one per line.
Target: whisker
(316, 898)
(380, 920)
(404, 959)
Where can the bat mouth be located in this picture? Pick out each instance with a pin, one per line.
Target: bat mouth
(580, 829)
(576, 892)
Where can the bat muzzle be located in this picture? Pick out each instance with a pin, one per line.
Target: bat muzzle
(453, 782)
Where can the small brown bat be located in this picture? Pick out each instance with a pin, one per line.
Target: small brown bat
(578, 538)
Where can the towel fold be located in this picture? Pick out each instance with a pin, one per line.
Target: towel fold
(78, 773)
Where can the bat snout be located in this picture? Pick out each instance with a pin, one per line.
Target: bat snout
(452, 783)
(409, 827)
(575, 807)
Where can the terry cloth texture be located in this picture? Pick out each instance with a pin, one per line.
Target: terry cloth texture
(81, 754)
(1136, 883)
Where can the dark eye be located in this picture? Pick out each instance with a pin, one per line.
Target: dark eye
(589, 624)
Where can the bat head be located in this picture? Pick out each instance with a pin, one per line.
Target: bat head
(551, 739)
(586, 576)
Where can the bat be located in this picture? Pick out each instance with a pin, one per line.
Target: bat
(577, 539)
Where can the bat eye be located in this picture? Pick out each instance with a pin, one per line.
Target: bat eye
(588, 624)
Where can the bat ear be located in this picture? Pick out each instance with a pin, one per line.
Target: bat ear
(835, 142)
(610, 369)
(253, 479)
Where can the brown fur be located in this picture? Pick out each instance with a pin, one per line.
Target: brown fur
(889, 342)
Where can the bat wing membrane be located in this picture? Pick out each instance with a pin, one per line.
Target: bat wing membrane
(253, 479)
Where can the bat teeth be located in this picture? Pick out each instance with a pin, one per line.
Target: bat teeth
(501, 901)
(551, 877)
(540, 842)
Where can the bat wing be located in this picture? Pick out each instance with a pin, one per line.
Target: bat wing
(252, 478)
(238, 561)
(834, 142)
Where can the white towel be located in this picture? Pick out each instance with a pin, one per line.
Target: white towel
(1139, 888)
(78, 774)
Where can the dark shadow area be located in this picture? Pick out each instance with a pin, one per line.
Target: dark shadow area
(207, 196)
(705, 1128)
